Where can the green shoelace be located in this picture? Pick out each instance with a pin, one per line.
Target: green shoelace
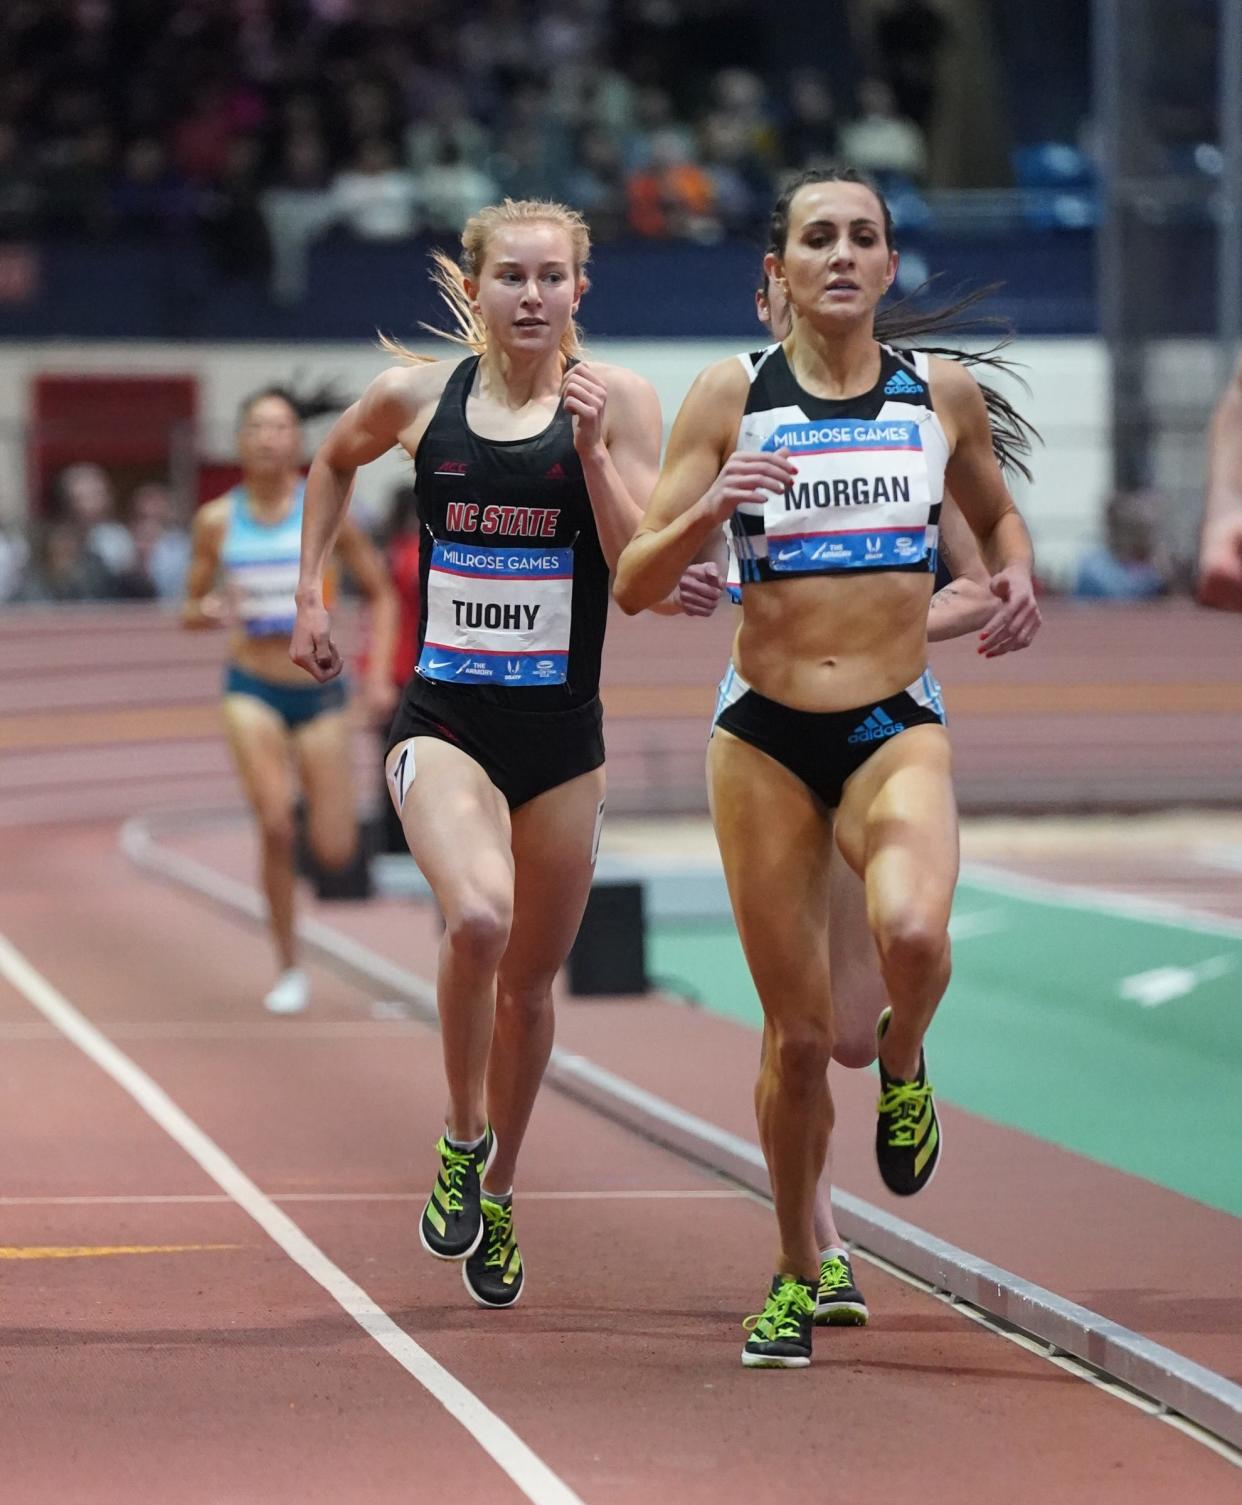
(454, 1165)
(779, 1317)
(499, 1231)
(908, 1101)
(834, 1274)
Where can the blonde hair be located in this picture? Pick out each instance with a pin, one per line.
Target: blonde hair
(449, 276)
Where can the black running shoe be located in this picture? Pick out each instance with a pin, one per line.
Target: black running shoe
(452, 1224)
(839, 1302)
(780, 1335)
(907, 1131)
(494, 1274)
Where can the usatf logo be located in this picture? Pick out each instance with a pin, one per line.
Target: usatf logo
(902, 384)
(876, 727)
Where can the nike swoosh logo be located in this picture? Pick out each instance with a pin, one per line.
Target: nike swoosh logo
(788, 554)
(440, 664)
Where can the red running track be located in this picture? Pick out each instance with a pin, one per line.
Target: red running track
(221, 1372)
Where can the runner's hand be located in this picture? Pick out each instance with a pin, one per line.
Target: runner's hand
(311, 646)
(1016, 620)
(699, 589)
(1220, 570)
(584, 396)
(206, 612)
(747, 477)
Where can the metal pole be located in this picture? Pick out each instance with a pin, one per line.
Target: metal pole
(1229, 241)
(1108, 109)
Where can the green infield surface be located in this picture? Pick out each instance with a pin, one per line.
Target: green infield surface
(1099, 1023)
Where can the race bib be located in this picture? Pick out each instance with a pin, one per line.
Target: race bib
(861, 498)
(263, 598)
(498, 615)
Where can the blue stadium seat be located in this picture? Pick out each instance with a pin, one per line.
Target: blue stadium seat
(1052, 164)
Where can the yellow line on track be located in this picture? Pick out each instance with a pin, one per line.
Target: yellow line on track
(88, 1251)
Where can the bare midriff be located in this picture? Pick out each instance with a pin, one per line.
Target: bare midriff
(833, 642)
(268, 657)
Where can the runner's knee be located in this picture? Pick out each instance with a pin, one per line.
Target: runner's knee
(801, 1050)
(911, 941)
(854, 1051)
(527, 1001)
(276, 827)
(477, 930)
(334, 848)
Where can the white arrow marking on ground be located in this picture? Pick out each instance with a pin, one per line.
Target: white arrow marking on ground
(964, 927)
(1163, 984)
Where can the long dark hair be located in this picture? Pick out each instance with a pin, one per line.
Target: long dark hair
(906, 323)
(312, 403)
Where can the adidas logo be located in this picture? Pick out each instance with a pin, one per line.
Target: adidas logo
(902, 384)
(876, 727)
(557, 473)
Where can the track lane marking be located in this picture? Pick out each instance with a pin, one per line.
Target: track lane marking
(569, 1072)
(502, 1444)
(100, 1251)
(157, 1200)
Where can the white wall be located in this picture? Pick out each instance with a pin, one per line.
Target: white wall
(1067, 402)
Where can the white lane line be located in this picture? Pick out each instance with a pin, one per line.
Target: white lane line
(1162, 985)
(531, 1475)
(725, 1194)
(964, 927)
(1000, 881)
(692, 1133)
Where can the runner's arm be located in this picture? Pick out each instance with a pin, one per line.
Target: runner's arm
(966, 603)
(202, 608)
(366, 430)
(700, 485)
(973, 476)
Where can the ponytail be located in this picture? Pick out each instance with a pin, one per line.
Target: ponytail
(904, 322)
(466, 327)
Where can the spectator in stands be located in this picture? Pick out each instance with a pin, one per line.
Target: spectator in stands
(161, 545)
(739, 180)
(62, 568)
(452, 124)
(82, 496)
(909, 35)
(451, 189)
(232, 213)
(672, 195)
(881, 141)
(808, 134)
(1131, 564)
(596, 186)
(535, 147)
(375, 197)
(20, 198)
(297, 208)
(150, 196)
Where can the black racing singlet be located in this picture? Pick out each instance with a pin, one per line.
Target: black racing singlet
(514, 584)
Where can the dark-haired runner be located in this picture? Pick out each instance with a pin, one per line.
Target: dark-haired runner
(962, 603)
(272, 713)
(531, 469)
(830, 455)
